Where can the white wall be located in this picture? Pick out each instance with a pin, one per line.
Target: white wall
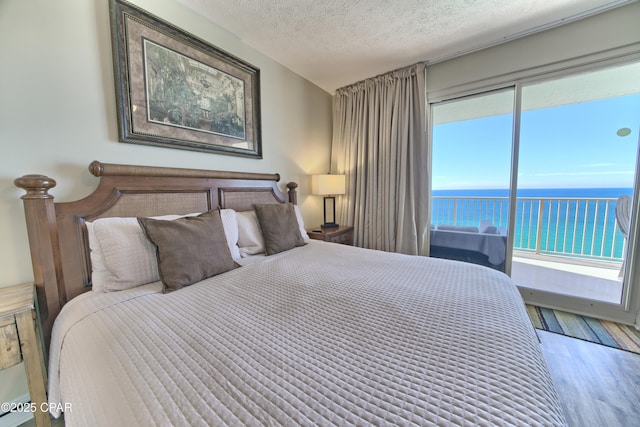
(58, 113)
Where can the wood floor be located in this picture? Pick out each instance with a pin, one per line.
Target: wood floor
(597, 385)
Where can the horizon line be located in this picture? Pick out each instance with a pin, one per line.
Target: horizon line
(528, 188)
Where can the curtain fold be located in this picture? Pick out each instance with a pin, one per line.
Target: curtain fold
(380, 144)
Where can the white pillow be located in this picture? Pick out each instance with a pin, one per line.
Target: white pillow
(128, 257)
(303, 231)
(122, 257)
(99, 273)
(250, 238)
(230, 224)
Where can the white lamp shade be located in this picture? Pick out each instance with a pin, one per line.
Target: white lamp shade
(327, 184)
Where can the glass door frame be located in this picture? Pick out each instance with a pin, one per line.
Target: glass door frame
(513, 185)
(513, 171)
(630, 302)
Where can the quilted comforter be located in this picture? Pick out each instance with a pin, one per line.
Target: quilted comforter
(323, 334)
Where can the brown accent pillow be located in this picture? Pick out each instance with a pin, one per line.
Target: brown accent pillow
(189, 249)
(279, 226)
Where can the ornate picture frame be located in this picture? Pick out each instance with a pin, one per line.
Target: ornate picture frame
(175, 90)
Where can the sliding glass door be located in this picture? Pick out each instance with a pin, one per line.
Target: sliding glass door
(569, 146)
(577, 162)
(471, 152)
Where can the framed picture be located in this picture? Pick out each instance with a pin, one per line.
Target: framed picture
(175, 90)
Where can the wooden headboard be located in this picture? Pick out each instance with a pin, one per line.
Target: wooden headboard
(57, 232)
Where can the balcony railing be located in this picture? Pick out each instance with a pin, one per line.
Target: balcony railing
(577, 227)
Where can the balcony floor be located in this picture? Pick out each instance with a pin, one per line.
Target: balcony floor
(596, 280)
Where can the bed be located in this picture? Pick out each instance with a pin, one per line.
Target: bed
(313, 334)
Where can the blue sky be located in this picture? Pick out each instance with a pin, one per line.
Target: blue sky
(570, 146)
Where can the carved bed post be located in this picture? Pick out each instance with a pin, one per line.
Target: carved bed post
(42, 230)
(293, 194)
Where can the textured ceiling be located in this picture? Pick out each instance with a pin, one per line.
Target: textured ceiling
(334, 43)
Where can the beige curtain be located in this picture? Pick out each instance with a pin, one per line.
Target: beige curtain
(380, 144)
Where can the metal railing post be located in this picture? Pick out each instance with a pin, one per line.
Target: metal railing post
(539, 231)
(455, 211)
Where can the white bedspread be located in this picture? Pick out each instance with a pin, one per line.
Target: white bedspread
(319, 335)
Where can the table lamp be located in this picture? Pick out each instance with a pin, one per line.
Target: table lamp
(328, 186)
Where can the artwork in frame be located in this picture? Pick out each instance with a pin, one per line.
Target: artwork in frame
(176, 90)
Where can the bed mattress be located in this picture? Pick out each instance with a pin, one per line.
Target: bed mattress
(323, 334)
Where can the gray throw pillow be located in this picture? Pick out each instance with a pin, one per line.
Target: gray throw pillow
(279, 226)
(189, 249)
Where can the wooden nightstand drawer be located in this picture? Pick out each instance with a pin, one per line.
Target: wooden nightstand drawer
(344, 238)
(10, 348)
(343, 235)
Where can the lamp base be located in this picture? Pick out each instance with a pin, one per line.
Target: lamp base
(330, 225)
(329, 212)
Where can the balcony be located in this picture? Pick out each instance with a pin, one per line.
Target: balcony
(570, 246)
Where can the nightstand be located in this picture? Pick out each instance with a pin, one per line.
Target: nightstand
(342, 234)
(20, 340)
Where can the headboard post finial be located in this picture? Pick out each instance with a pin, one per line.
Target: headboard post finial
(42, 230)
(96, 168)
(36, 186)
(293, 193)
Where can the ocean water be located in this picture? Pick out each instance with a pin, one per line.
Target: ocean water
(573, 221)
